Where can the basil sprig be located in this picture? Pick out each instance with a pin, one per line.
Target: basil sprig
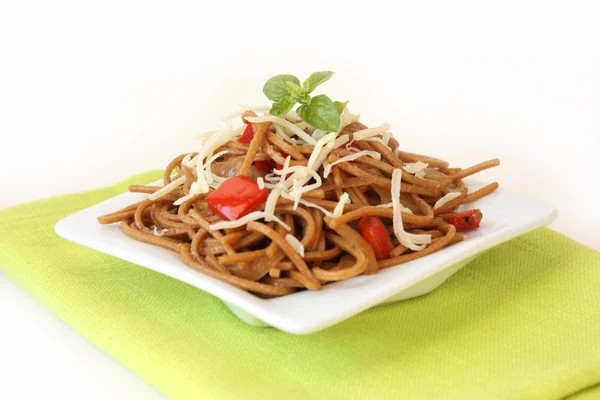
(318, 111)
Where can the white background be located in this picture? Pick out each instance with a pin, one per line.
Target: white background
(93, 93)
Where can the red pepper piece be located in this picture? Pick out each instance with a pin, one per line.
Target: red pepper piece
(264, 166)
(374, 232)
(236, 197)
(469, 219)
(248, 135)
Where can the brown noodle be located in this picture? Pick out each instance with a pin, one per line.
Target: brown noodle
(257, 258)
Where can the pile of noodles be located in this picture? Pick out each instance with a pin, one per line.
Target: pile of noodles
(257, 257)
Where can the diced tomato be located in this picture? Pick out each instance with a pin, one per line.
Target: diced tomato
(374, 232)
(236, 197)
(248, 135)
(264, 166)
(469, 219)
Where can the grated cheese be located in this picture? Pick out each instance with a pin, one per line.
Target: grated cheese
(303, 174)
(391, 205)
(270, 185)
(168, 189)
(339, 208)
(204, 175)
(319, 149)
(292, 115)
(347, 118)
(286, 165)
(416, 168)
(284, 136)
(386, 137)
(412, 241)
(370, 132)
(295, 189)
(209, 175)
(318, 134)
(160, 233)
(349, 147)
(216, 140)
(203, 135)
(253, 216)
(320, 153)
(302, 125)
(290, 129)
(272, 202)
(285, 124)
(300, 172)
(295, 244)
(313, 205)
(186, 159)
(447, 197)
(276, 191)
(183, 199)
(351, 157)
(272, 177)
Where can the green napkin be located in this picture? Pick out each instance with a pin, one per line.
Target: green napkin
(522, 321)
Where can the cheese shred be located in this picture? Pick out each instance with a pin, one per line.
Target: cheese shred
(285, 124)
(168, 188)
(295, 244)
(351, 157)
(339, 208)
(448, 197)
(412, 241)
(370, 132)
(416, 168)
(253, 216)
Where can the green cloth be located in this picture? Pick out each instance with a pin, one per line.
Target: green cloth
(522, 321)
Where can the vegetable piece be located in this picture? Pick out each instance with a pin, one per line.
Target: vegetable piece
(283, 106)
(339, 106)
(275, 88)
(319, 111)
(315, 79)
(248, 135)
(236, 197)
(265, 166)
(320, 114)
(298, 92)
(469, 219)
(374, 232)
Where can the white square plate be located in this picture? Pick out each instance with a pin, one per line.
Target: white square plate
(506, 215)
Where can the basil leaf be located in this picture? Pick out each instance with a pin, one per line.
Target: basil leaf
(294, 89)
(299, 93)
(276, 87)
(321, 114)
(282, 106)
(339, 106)
(306, 99)
(315, 79)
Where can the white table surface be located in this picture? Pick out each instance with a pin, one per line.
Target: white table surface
(90, 95)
